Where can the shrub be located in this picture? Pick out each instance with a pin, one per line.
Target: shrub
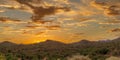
(2, 57)
(10, 56)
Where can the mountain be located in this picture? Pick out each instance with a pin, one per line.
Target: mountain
(51, 42)
(82, 42)
(7, 44)
(46, 45)
(57, 44)
(52, 48)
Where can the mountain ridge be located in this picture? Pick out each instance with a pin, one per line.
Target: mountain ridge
(58, 49)
(54, 41)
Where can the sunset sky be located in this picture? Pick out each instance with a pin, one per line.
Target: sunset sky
(31, 21)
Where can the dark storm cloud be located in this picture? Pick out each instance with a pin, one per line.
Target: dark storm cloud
(40, 12)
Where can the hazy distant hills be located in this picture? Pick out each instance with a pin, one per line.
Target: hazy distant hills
(51, 48)
(51, 44)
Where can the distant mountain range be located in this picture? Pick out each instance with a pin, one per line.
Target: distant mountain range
(56, 44)
(56, 48)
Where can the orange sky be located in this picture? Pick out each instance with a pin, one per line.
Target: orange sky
(62, 20)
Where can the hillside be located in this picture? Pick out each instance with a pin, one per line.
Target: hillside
(94, 49)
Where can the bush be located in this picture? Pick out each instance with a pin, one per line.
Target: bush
(10, 56)
(98, 57)
(2, 57)
(103, 51)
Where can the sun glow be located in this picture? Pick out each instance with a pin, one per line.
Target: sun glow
(34, 40)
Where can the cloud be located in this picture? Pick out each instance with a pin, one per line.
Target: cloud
(113, 10)
(14, 5)
(110, 22)
(9, 3)
(33, 27)
(44, 11)
(115, 30)
(110, 7)
(43, 8)
(2, 11)
(74, 16)
(76, 35)
(8, 20)
(40, 12)
(39, 33)
(8, 28)
(53, 27)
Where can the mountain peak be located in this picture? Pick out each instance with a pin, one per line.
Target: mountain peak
(48, 40)
(84, 41)
(51, 42)
(6, 42)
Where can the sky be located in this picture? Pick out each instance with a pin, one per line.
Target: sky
(32, 21)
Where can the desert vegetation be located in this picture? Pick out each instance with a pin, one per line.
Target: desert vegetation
(54, 50)
(113, 58)
(78, 57)
(2, 56)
